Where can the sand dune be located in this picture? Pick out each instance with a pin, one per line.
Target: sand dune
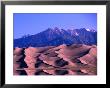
(76, 59)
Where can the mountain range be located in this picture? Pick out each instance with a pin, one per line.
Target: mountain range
(56, 36)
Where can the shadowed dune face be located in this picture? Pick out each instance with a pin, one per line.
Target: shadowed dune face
(76, 59)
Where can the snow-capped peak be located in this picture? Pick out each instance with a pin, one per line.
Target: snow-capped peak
(88, 29)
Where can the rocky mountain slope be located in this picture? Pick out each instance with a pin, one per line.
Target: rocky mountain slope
(56, 36)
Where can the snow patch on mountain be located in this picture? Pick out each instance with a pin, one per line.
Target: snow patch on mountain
(88, 29)
(76, 34)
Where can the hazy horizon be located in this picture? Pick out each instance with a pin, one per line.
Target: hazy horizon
(33, 23)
